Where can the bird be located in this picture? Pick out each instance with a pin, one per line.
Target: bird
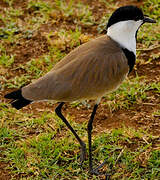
(90, 71)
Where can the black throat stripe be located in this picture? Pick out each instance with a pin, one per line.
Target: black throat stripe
(130, 57)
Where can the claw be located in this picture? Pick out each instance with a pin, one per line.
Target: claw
(107, 177)
(95, 172)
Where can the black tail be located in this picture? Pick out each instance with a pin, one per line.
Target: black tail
(18, 100)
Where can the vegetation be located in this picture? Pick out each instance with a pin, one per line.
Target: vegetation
(34, 142)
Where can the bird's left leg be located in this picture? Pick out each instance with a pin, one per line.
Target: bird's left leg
(90, 138)
(93, 171)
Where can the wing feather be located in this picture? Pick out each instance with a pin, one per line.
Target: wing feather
(89, 71)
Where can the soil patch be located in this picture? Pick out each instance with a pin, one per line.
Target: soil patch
(4, 173)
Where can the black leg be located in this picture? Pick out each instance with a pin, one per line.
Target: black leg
(93, 171)
(90, 137)
(83, 145)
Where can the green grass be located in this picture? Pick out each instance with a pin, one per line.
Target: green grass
(34, 143)
(134, 91)
(46, 155)
(6, 60)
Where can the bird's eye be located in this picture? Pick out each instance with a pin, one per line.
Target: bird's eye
(136, 18)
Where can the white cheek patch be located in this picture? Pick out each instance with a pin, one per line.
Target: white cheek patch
(124, 33)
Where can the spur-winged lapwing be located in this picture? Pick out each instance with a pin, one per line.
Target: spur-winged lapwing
(89, 71)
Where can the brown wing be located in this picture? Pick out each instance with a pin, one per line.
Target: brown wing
(88, 72)
(80, 50)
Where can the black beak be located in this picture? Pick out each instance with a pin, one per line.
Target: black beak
(148, 20)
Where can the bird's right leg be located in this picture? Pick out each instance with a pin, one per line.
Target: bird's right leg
(83, 145)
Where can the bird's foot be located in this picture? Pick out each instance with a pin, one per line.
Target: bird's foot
(96, 170)
(101, 165)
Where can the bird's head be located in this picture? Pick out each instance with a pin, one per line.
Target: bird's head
(124, 23)
(129, 14)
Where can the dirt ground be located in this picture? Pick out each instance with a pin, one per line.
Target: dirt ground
(37, 45)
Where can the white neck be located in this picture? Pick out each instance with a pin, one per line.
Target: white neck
(124, 33)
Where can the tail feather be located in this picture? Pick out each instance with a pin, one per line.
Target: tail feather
(18, 101)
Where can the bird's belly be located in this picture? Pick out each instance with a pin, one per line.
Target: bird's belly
(94, 91)
(100, 93)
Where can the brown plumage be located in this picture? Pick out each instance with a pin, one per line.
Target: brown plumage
(88, 72)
